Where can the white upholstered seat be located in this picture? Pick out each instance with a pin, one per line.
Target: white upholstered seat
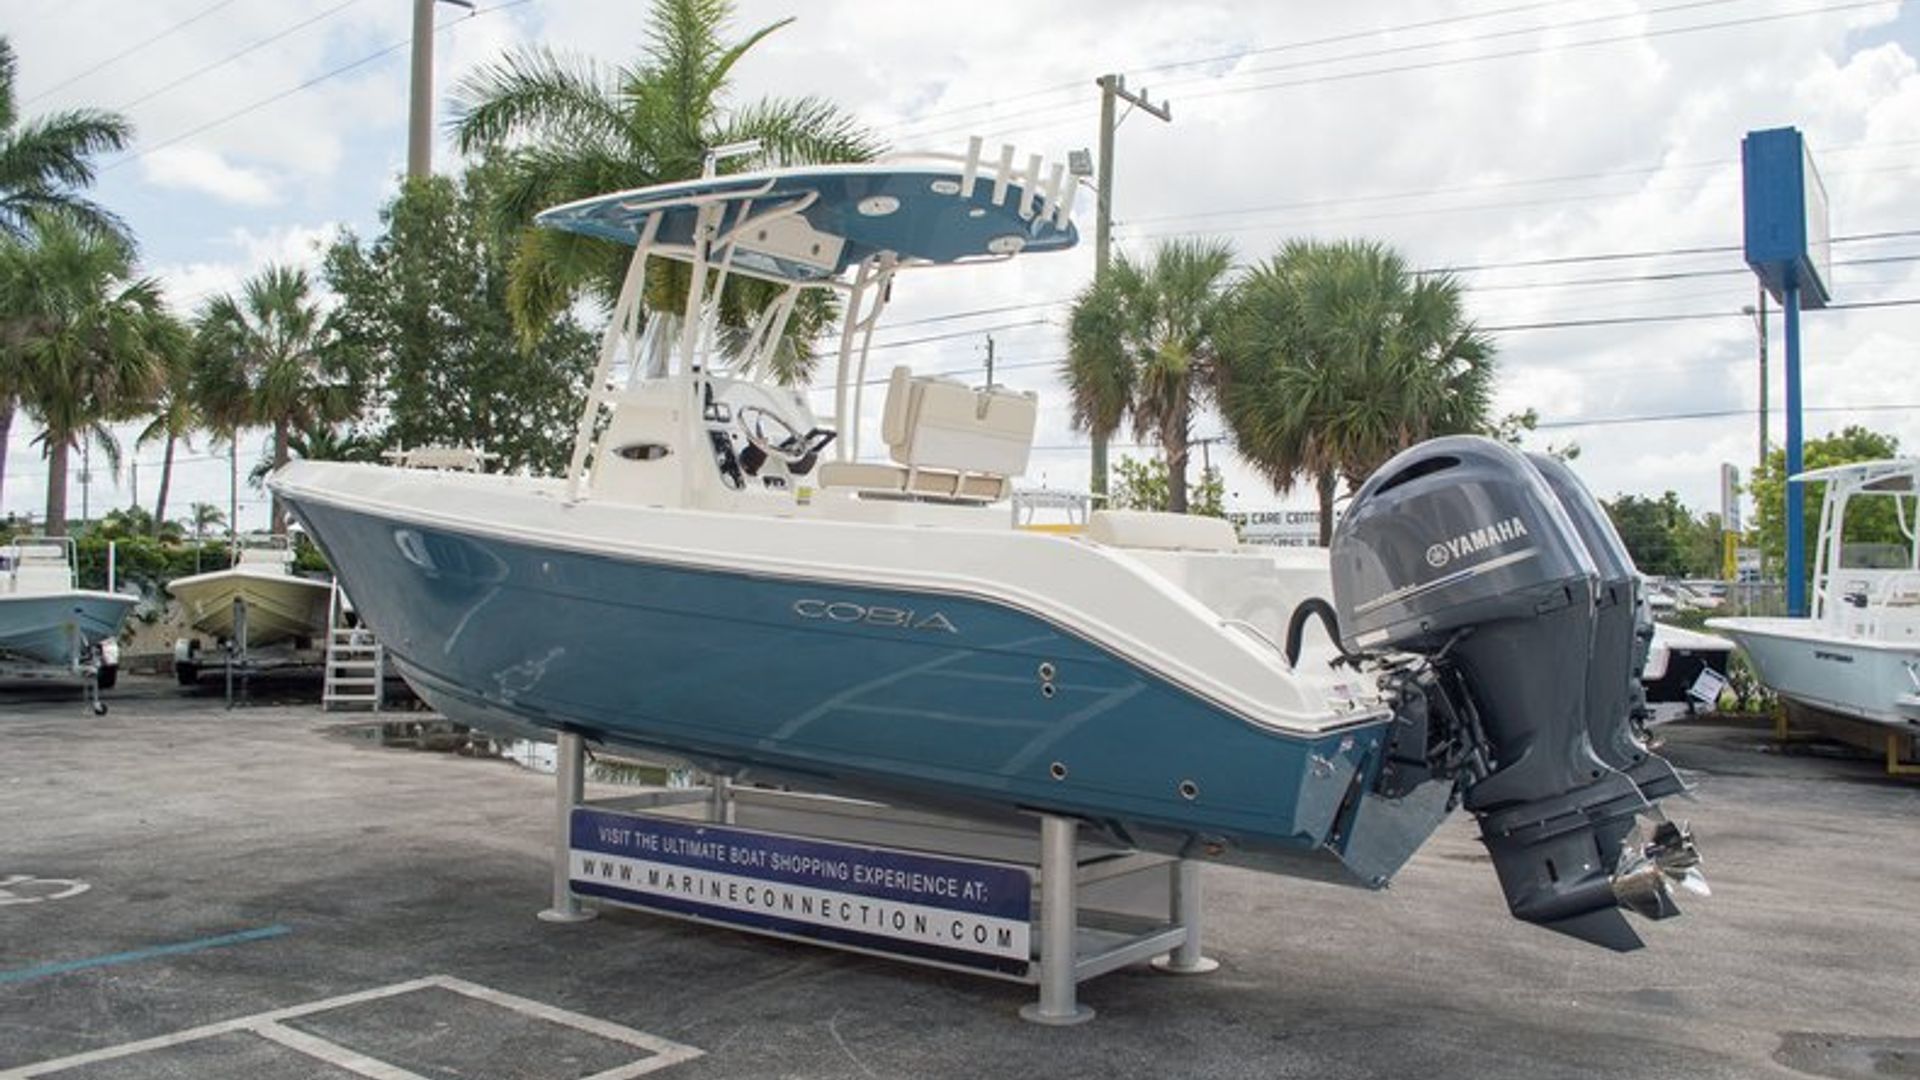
(947, 441)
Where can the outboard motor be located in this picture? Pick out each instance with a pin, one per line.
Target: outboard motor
(1615, 697)
(1458, 551)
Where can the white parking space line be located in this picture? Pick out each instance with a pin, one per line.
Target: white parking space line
(662, 1052)
(332, 1053)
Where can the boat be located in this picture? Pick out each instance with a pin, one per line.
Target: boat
(727, 579)
(48, 624)
(1857, 654)
(259, 613)
(1684, 669)
(281, 605)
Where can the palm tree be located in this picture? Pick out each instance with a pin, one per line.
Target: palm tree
(176, 414)
(43, 164)
(262, 361)
(325, 443)
(86, 337)
(569, 128)
(1140, 344)
(1333, 358)
(205, 516)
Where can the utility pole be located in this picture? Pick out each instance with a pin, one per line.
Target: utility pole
(1113, 88)
(989, 361)
(420, 94)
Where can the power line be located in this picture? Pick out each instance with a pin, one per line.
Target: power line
(1458, 61)
(1428, 65)
(1712, 414)
(1628, 320)
(1201, 61)
(310, 83)
(255, 47)
(1655, 253)
(1492, 35)
(1673, 275)
(129, 51)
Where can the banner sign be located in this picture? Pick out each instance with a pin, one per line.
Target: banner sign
(928, 907)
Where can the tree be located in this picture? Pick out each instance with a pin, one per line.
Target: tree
(327, 443)
(1333, 358)
(1514, 428)
(1142, 485)
(1140, 344)
(423, 308)
(204, 517)
(570, 128)
(263, 362)
(1665, 538)
(1869, 521)
(44, 164)
(47, 161)
(87, 337)
(176, 414)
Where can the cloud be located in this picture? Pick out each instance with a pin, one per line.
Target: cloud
(194, 168)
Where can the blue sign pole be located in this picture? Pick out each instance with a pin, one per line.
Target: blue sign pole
(1796, 504)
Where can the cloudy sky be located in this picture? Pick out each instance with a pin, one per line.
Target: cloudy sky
(1578, 161)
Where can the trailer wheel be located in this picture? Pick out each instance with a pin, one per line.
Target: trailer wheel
(99, 708)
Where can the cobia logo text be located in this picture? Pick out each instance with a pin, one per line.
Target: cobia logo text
(842, 611)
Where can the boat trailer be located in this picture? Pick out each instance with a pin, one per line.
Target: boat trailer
(933, 889)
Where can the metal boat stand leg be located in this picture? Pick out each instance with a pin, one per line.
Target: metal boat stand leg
(720, 806)
(1184, 906)
(1895, 766)
(1059, 954)
(569, 772)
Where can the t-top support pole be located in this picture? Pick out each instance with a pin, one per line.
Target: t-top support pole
(569, 771)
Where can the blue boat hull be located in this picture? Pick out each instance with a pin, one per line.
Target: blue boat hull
(935, 699)
(57, 628)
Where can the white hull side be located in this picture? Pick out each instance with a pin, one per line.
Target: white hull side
(280, 607)
(1865, 679)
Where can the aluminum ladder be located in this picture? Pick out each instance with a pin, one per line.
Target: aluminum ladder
(356, 661)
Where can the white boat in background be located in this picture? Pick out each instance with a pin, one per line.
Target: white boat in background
(48, 624)
(1685, 669)
(1858, 654)
(281, 606)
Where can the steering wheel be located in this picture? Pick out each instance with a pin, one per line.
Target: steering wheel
(786, 442)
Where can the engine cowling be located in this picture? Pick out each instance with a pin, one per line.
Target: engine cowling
(1459, 551)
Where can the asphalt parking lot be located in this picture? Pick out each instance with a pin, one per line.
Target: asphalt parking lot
(196, 892)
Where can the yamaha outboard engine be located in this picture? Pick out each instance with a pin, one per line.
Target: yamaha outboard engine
(1460, 553)
(1615, 697)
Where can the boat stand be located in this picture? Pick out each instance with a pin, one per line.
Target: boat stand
(1101, 908)
(1902, 749)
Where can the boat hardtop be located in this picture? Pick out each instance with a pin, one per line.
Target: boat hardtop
(815, 223)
